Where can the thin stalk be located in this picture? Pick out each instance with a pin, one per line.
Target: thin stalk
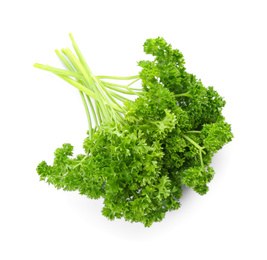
(92, 94)
(89, 92)
(100, 93)
(87, 114)
(72, 59)
(183, 95)
(86, 71)
(194, 143)
(86, 156)
(79, 86)
(137, 91)
(132, 82)
(114, 87)
(100, 85)
(93, 110)
(64, 60)
(105, 106)
(108, 93)
(194, 132)
(70, 67)
(79, 67)
(201, 160)
(120, 78)
(79, 54)
(102, 104)
(121, 98)
(58, 71)
(120, 118)
(98, 112)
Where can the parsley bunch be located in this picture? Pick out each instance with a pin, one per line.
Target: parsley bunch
(139, 153)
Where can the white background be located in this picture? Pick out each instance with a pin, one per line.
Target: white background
(223, 42)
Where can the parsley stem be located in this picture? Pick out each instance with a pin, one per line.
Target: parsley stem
(88, 75)
(114, 87)
(136, 89)
(120, 78)
(90, 83)
(86, 156)
(194, 132)
(79, 86)
(120, 86)
(58, 71)
(183, 95)
(87, 114)
(71, 69)
(132, 82)
(121, 98)
(65, 61)
(113, 84)
(92, 109)
(201, 161)
(194, 143)
(102, 97)
(107, 92)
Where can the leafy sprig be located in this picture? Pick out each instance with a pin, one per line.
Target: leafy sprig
(139, 153)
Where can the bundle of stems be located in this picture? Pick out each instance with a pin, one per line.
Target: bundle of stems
(102, 100)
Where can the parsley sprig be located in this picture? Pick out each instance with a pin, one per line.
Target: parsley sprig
(139, 154)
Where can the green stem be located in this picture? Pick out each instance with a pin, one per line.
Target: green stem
(87, 114)
(64, 75)
(120, 78)
(121, 98)
(79, 86)
(101, 93)
(120, 86)
(72, 59)
(97, 107)
(116, 88)
(71, 69)
(65, 61)
(136, 89)
(183, 95)
(89, 92)
(58, 71)
(194, 143)
(102, 99)
(201, 160)
(107, 92)
(92, 109)
(79, 54)
(132, 82)
(89, 79)
(87, 73)
(194, 132)
(86, 156)
(110, 98)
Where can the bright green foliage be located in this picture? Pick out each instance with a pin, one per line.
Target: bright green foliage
(203, 105)
(216, 135)
(197, 178)
(166, 139)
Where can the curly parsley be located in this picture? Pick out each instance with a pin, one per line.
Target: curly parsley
(139, 153)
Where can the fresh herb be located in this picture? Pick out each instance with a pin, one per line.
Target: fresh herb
(139, 154)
